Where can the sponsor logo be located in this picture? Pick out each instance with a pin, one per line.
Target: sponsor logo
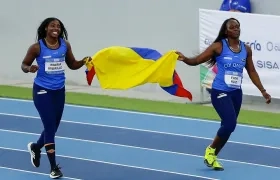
(270, 46)
(267, 64)
(254, 45)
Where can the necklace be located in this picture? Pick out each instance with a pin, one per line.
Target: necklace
(233, 49)
(51, 45)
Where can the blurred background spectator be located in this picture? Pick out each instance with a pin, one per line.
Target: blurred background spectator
(236, 5)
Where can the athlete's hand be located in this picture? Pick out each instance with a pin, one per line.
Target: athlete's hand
(87, 60)
(181, 56)
(267, 97)
(33, 68)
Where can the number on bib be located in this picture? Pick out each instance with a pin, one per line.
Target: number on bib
(233, 79)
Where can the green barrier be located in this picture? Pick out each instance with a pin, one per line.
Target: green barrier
(167, 108)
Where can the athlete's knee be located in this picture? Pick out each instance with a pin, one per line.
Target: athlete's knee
(230, 127)
(50, 148)
(226, 130)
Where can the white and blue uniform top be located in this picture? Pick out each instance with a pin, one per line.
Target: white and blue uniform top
(51, 63)
(230, 67)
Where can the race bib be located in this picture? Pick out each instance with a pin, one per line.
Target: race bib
(233, 79)
(54, 66)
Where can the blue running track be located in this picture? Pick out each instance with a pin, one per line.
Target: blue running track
(105, 144)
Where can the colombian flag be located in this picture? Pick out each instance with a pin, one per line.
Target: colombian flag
(122, 68)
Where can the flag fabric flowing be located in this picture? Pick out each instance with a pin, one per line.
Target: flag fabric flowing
(123, 68)
(127, 67)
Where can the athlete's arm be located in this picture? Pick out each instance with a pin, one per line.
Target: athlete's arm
(205, 56)
(32, 52)
(253, 74)
(70, 60)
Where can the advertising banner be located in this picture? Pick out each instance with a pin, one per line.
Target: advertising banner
(260, 32)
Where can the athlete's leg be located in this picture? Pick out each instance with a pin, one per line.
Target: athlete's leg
(58, 103)
(223, 105)
(236, 98)
(44, 103)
